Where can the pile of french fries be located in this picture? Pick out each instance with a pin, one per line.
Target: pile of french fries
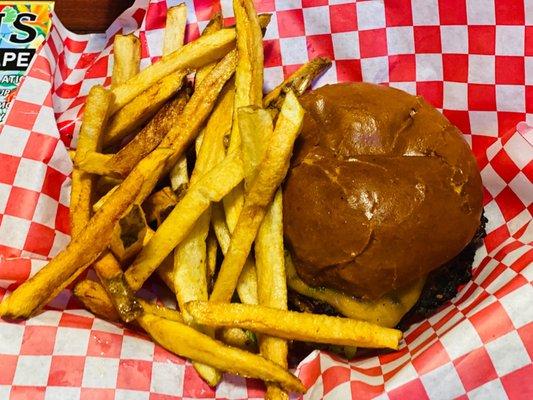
(139, 206)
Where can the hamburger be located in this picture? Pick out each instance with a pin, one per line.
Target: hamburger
(382, 205)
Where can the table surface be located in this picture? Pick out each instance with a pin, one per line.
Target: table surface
(84, 16)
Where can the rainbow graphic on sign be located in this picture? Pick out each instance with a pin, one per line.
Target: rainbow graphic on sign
(23, 28)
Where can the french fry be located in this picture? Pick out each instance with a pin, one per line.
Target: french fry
(247, 283)
(272, 284)
(240, 338)
(97, 163)
(248, 88)
(249, 73)
(211, 187)
(128, 235)
(299, 81)
(190, 257)
(187, 342)
(195, 54)
(166, 272)
(386, 312)
(214, 25)
(272, 170)
(211, 259)
(190, 278)
(248, 92)
(142, 108)
(94, 119)
(95, 298)
(103, 184)
(101, 201)
(127, 58)
(199, 106)
(89, 140)
(110, 274)
(256, 129)
(172, 41)
(159, 205)
(174, 35)
(84, 249)
(179, 176)
(160, 311)
(291, 325)
(212, 149)
(148, 138)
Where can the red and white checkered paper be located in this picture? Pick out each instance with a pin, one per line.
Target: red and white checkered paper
(471, 59)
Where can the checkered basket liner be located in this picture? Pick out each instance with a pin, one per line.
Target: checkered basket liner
(471, 59)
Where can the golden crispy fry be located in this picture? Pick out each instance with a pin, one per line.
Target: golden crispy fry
(272, 170)
(195, 54)
(106, 267)
(187, 342)
(174, 35)
(218, 221)
(255, 131)
(199, 106)
(256, 127)
(214, 25)
(96, 163)
(247, 283)
(127, 56)
(190, 278)
(387, 311)
(299, 81)
(142, 108)
(249, 73)
(104, 184)
(83, 249)
(291, 325)
(129, 234)
(248, 92)
(173, 40)
(179, 176)
(94, 119)
(159, 205)
(161, 311)
(272, 284)
(123, 299)
(211, 187)
(149, 137)
(94, 297)
(72, 154)
(101, 201)
(248, 88)
(166, 271)
(240, 338)
(212, 150)
(211, 259)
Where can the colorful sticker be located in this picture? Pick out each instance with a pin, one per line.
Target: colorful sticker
(23, 28)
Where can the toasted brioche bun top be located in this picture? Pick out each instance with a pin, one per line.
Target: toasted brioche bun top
(382, 190)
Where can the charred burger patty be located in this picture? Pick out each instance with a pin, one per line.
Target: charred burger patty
(383, 193)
